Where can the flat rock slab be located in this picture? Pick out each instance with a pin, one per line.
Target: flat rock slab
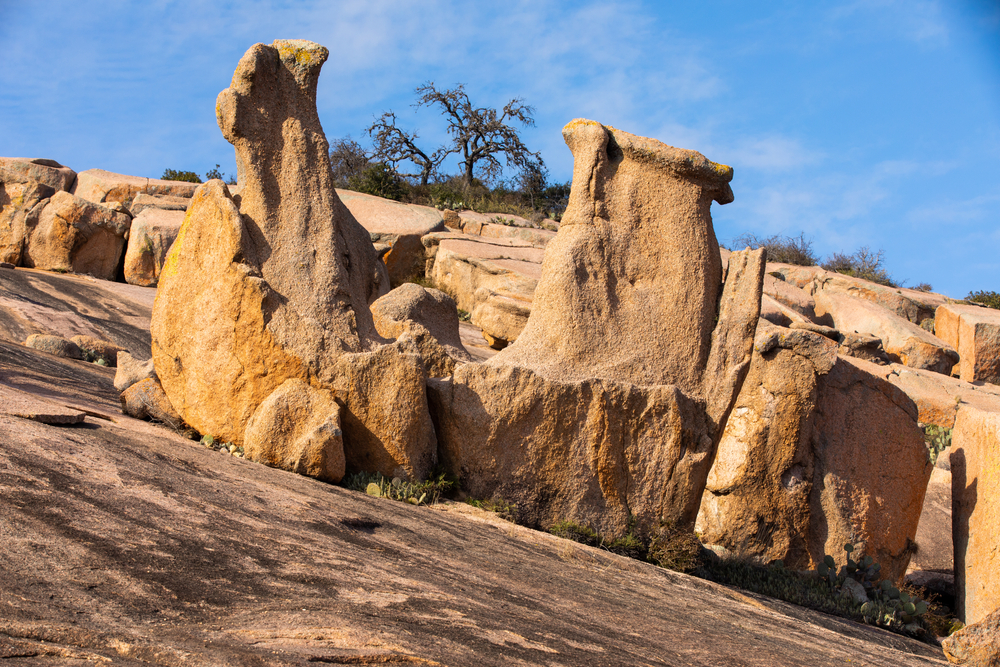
(137, 547)
(385, 216)
(69, 305)
(16, 403)
(938, 397)
(511, 254)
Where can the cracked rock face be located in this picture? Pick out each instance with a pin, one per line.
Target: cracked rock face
(818, 451)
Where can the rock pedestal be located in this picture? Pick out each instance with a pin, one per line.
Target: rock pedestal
(975, 493)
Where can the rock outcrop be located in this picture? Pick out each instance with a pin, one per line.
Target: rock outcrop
(492, 279)
(606, 409)
(72, 234)
(975, 493)
(975, 332)
(398, 225)
(278, 287)
(817, 452)
(152, 233)
(903, 341)
(207, 559)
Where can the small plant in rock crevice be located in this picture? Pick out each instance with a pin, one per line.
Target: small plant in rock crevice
(376, 484)
(937, 438)
(502, 508)
(224, 447)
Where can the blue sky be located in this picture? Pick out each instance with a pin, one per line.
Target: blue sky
(870, 122)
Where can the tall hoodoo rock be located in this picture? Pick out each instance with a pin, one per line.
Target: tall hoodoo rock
(630, 285)
(607, 408)
(273, 284)
(317, 259)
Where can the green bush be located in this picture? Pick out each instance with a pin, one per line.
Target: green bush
(985, 298)
(865, 264)
(784, 249)
(186, 176)
(630, 545)
(380, 180)
(502, 508)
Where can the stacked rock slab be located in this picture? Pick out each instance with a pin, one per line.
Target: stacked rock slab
(975, 332)
(904, 341)
(606, 409)
(975, 492)
(99, 186)
(817, 452)
(277, 287)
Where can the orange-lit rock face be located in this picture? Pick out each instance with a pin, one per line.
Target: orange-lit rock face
(975, 475)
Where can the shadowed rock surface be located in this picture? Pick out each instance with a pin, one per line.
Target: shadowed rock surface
(123, 542)
(37, 302)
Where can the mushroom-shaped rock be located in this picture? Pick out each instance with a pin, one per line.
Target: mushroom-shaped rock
(607, 408)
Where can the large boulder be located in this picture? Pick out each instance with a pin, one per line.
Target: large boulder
(608, 406)
(817, 452)
(429, 318)
(297, 428)
(72, 234)
(21, 205)
(903, 341)
(98, 186)
(598, 452)
(278, 287)
(975, 332)
(386, 419)
(56, 345)
(153, 232)
(975, 493)
(400, 226)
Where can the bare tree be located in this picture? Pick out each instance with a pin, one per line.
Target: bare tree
(483, 135)
(393, 145)
(347, 160)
